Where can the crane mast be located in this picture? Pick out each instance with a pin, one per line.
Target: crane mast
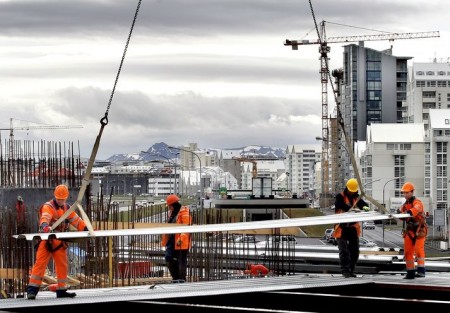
(324, 49)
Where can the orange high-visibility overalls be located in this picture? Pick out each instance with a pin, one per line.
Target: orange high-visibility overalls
(414, 233)
(50, 212)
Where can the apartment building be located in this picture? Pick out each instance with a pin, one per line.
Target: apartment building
(394, 153)
(300, 161)
(375, 88)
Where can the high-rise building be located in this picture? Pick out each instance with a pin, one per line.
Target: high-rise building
(375, 88)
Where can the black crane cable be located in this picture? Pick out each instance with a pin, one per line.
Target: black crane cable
(103, 122)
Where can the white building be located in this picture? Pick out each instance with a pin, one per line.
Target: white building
(429, 89)
(300, 162)
(395, 153)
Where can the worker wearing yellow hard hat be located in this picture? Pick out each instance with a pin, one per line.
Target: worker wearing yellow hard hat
(347, 234)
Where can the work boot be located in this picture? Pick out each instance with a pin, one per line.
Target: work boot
(346, 274)
(32, 292)
(65, 294)
(420, 272)
(410, 274)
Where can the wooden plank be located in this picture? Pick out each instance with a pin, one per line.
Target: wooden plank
(50, 279)
(11, 273)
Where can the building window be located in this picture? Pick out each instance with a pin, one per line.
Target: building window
(399, 160)
(429, 105)
(405, 146)
(441, 171)
(441, 159)
(420, 83)
(441, 195)
(441, 147)
(429, 94)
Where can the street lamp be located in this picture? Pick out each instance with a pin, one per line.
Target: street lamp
(370, 182)
(200, 163)
(384, 204)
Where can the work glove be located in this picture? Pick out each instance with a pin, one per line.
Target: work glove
(399, 211)
(365, 208)
(45, 228)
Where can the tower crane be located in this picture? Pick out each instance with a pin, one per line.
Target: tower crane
(253, 161)
(324, 49)
(43, 126)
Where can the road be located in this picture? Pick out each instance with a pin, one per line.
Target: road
(389, 237)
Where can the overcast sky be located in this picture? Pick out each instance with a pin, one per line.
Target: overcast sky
(215, 72)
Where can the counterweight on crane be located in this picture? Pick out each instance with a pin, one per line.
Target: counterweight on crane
(324, 49)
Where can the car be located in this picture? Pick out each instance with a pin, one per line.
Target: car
(363, 242)
(244, 239)
(277, 241)
(282, 239)
(368, 225)
(331, 238)
(328, 232)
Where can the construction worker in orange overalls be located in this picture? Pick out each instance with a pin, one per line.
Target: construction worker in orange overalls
(415, 230)
(177, 245)
(257, 270)
(347, 234)
(49, 213)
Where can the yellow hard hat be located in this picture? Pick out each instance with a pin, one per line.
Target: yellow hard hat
(352, 185)
(408, 187)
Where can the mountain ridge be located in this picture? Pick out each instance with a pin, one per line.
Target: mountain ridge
(160, 151)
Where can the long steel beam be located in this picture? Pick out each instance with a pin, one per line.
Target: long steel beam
(298, 222)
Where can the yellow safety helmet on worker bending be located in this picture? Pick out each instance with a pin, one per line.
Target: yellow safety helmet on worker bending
(352, 185)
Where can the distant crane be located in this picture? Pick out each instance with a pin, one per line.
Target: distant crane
(324, 49)
(253, 161)
(12, 163)
(43, 126)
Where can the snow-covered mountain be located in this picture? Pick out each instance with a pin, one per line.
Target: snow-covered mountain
(160, 151)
